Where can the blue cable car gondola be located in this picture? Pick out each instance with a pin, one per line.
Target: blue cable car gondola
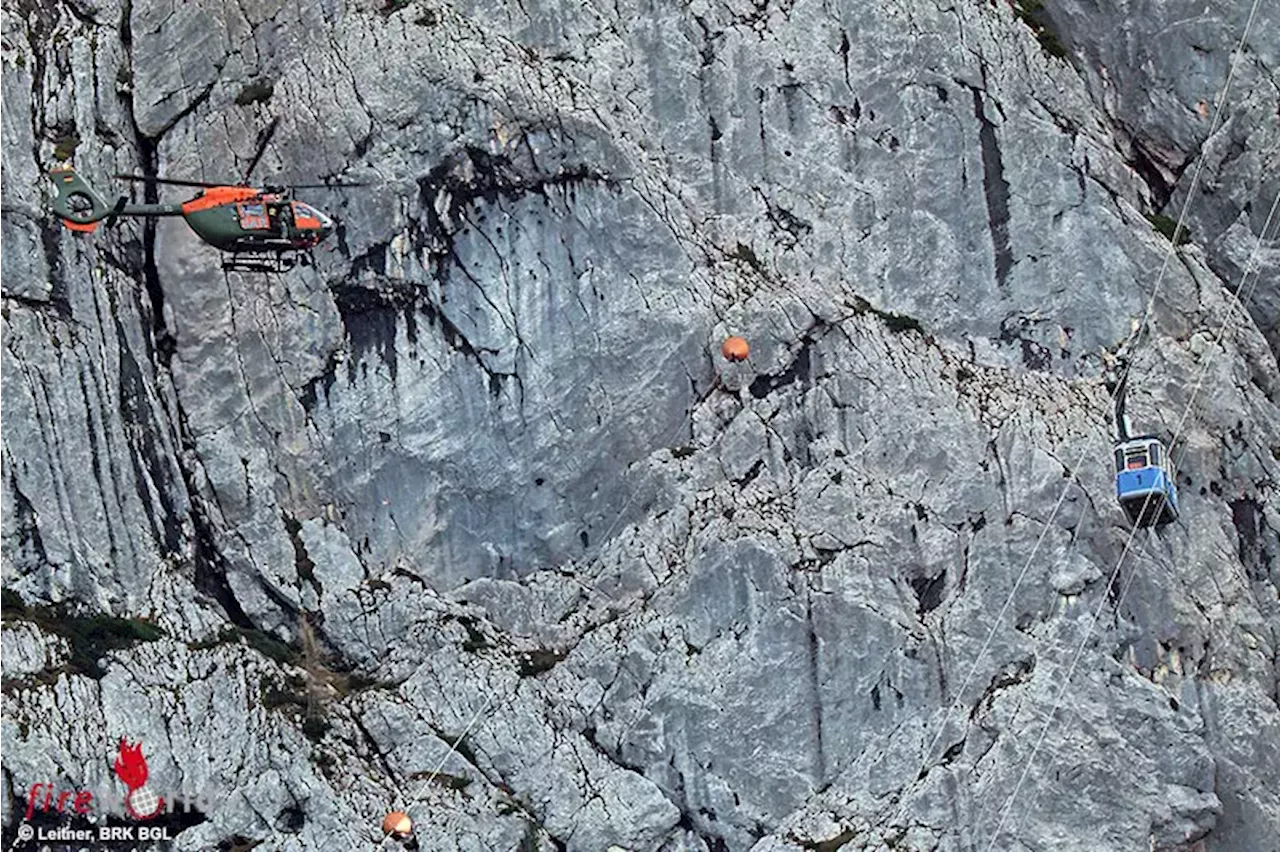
(1145, 482)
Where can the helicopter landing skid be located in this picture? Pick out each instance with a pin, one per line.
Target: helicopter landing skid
(255, 262)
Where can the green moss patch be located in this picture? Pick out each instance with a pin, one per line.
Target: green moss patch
(1032, 13)
(255, 92)
(1170, 229)
(64, 147)
(11, 604)
(897, 323)
(97, 635)
(90, 637)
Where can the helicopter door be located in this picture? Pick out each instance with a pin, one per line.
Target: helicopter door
(283, 216)
(253, 216)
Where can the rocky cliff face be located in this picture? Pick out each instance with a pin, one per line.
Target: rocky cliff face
(471, 519)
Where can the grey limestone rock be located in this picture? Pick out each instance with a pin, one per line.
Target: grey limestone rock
(469, 517)
(29, 650)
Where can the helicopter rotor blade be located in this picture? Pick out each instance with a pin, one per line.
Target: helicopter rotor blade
(169, 181)
(264, 138)
(335, 185)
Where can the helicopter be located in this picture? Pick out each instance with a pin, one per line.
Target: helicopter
(262, 229)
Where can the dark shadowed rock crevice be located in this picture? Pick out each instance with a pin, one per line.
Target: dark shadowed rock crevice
(995, 188)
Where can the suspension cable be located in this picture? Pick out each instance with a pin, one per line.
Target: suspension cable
(1135, 337)
(1066, 680)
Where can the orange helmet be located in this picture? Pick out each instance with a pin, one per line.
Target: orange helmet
(397, 824)
(735, 349)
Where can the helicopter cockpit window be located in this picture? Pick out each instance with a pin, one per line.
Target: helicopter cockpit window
(305, 215)
(253, 217)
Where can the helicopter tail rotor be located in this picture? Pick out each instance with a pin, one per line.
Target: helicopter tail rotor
(79, 205)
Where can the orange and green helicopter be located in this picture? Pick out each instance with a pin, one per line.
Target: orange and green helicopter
(262, 229)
